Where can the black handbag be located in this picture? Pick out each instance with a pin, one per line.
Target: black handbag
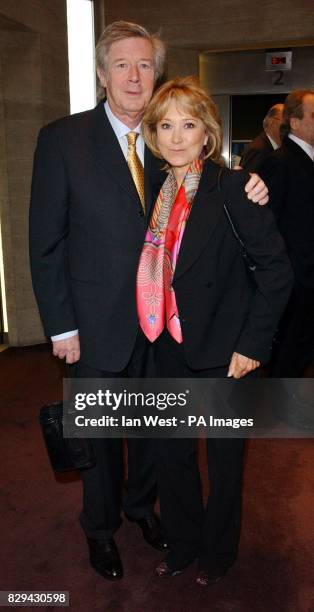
(65, 454)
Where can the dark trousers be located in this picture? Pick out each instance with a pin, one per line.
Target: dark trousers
(294, 347)
(103, 484)
(212, 534)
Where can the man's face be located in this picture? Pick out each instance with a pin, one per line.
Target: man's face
(304, 128)
(129, 78)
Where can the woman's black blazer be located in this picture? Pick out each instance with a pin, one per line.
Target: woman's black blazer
(219, 309)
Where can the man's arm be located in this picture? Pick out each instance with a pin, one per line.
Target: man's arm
(48, 236)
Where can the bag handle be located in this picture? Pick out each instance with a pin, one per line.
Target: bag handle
(248, 261)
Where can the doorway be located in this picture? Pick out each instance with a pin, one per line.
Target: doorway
(244, 87)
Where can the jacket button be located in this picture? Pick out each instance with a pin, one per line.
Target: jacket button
(141, 213)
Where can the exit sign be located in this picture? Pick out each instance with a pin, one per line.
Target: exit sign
(278, 60)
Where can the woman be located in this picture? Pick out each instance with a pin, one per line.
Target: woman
(195, 300)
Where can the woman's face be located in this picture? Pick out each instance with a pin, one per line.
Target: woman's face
(180, 138)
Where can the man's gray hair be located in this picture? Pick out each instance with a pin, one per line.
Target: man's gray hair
(119, 30)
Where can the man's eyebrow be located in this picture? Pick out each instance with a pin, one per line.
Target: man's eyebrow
(141, 59)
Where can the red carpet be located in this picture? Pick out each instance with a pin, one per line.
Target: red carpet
(43, 547)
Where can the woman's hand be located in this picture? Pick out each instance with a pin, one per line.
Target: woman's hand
(241, 365)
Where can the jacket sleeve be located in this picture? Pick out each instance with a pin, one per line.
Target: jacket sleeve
(252, 160)
(273, 277)
(48, 235)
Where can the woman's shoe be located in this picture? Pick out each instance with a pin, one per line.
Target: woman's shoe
(164, 571)
(205, 578)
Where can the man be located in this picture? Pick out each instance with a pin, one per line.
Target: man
(290, 174)
(266, 142)
(87, 225)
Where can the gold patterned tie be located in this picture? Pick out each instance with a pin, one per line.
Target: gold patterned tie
(135, 166)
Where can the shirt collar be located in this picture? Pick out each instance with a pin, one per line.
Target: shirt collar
(119, 128)
(304, 145)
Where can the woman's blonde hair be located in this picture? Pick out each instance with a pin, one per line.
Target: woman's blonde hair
(191, 98)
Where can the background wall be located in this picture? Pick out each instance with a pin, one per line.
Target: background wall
(33, 91)
(189, 27)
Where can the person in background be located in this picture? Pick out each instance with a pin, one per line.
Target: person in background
(290, 175)
(93, 183)
(266, 142)
(196, 303)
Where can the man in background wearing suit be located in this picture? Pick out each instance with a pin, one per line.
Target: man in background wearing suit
(266, 142)
(89, 209)
(290, 175)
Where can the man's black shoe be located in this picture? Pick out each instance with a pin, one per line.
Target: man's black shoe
(152, 531)
(105, 559)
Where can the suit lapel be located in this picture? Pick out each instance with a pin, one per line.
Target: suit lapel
(206, 210)
(108, 153)
(110, 159)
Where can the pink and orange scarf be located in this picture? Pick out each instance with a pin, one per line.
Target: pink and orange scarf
(156, 301)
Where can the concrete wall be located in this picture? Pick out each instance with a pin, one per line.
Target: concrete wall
(33, 91)
(217, 24)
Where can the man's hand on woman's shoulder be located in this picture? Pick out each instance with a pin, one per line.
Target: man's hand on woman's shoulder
(255, 188)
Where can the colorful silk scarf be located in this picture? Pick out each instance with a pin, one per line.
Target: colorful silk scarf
(156, 301)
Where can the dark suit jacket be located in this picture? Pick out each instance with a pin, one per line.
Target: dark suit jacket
(86, 234)
(289, 174)
(255, 154)
(219, 310)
